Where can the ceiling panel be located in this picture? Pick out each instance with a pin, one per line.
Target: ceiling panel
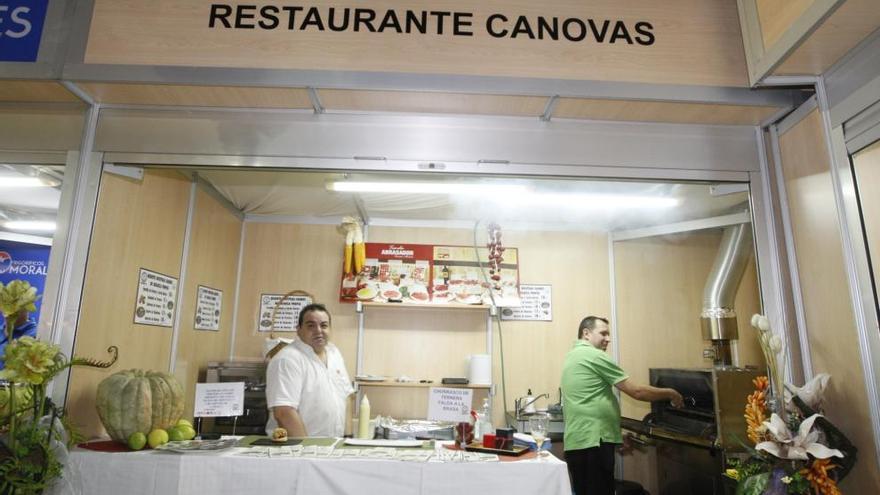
(35, 91)
(840, 33)
(427, 102)
(661, 111)
(197, 96)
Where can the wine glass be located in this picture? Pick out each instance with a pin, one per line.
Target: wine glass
(538, 426)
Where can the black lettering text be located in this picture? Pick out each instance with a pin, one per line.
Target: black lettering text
(291, 16)
(390, 22)
(269, 13)
(244, 12)
(313, 18)
(220, 12)
(420, 23)
(600, 35)
(522, 27)
(490, 27)
(620, 31)
(365, 17)
(576, 33)
(440, 16)
(331, 19)
(645, 29)
(546, 29)
(461, 20)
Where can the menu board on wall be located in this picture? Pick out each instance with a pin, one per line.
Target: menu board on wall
(536, 304)
(156, 299)
(392, 272)
(209, 303)
(457, 277)
(287, 316)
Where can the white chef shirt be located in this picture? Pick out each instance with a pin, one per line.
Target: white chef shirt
(297, 377)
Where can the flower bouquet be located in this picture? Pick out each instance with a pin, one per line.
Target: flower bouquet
(34, 434)
(796, 450)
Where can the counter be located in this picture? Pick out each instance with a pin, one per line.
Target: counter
(154, 473)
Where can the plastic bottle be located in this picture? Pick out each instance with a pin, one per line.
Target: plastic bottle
(364, 419)
(484, 420)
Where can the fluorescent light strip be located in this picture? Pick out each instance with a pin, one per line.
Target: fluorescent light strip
(601, 201)
(22, 182)
(427, 188)
(29, 225)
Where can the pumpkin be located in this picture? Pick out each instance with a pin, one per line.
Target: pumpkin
(136, 400)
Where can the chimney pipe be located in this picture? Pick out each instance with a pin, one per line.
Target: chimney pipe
(718, 319)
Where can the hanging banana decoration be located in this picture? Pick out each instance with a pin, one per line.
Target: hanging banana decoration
(355, 250)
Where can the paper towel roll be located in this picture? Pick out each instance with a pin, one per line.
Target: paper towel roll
(480, 369)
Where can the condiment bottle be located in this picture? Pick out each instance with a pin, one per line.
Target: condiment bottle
(364, 419)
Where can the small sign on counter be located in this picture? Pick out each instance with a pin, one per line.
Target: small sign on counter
(224, 399)
(287, 316)
(209, 304)
(450, 404)
(156, 299)
(536, 304)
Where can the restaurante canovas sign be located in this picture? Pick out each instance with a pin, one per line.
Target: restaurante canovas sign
(695, 42)
(21, 27)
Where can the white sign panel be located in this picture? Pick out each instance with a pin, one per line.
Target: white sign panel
(219, 399)
(450, 404)
(288, 313)
(536, 304)
(156, 299)
(209, 303)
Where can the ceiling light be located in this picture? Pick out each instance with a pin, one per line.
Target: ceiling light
(23, 182)
(601, 201)
(427, 188)
(30, 225)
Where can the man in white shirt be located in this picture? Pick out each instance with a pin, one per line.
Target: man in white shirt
(307, 385)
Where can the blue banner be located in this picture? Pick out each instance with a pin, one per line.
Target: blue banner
(29, 262)
(21, 27)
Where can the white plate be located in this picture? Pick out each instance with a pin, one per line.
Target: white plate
(198, 446)
(370, 378)
(383, 443)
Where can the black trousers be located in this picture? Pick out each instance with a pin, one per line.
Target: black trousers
(592, 470)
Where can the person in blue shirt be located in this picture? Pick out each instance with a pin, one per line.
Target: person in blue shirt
(24, 327)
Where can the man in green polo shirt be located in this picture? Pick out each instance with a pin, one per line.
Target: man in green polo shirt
(592, 413)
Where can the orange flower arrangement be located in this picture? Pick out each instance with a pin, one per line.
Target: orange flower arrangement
(817, 474)
(756, 409)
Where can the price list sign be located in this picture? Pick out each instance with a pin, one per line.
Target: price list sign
(287, 316)
(156, 299)
(209, 303)
(219, 400)
(536, 304)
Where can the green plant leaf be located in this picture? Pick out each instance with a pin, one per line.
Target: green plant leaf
(753, 485)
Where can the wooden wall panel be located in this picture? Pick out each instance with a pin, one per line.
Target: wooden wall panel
(137, 225)
(697, 42)
(661, 111)
(777, 16)
(280, 257)
(202, 96)
(659, 285)
(215, 238)
(36, 91)
(831, 330)
(427, 102)
(867, 168)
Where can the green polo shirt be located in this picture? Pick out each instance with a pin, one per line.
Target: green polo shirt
(592, 413)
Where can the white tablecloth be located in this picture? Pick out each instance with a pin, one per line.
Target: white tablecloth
(163, 473)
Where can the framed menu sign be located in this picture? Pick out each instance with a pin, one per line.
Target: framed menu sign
(536, 304)
(156, 299)
(209, 303)
(456, 277)
(287, 316)
(392, 272)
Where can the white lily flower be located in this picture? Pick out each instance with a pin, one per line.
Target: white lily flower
(776, 344)
(812, 393)
(786, 446)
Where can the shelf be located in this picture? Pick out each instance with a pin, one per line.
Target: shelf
(471, 307)
(389, 383)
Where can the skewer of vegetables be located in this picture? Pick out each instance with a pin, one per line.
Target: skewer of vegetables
(355, 255)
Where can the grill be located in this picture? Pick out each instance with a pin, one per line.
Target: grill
(253, 374)
(693, 442)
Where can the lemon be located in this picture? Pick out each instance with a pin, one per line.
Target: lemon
(157, 437)
(137, 440)
(188, 432)
(175, 434)
(184, 422)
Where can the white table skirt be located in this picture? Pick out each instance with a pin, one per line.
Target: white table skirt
(162, 473)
